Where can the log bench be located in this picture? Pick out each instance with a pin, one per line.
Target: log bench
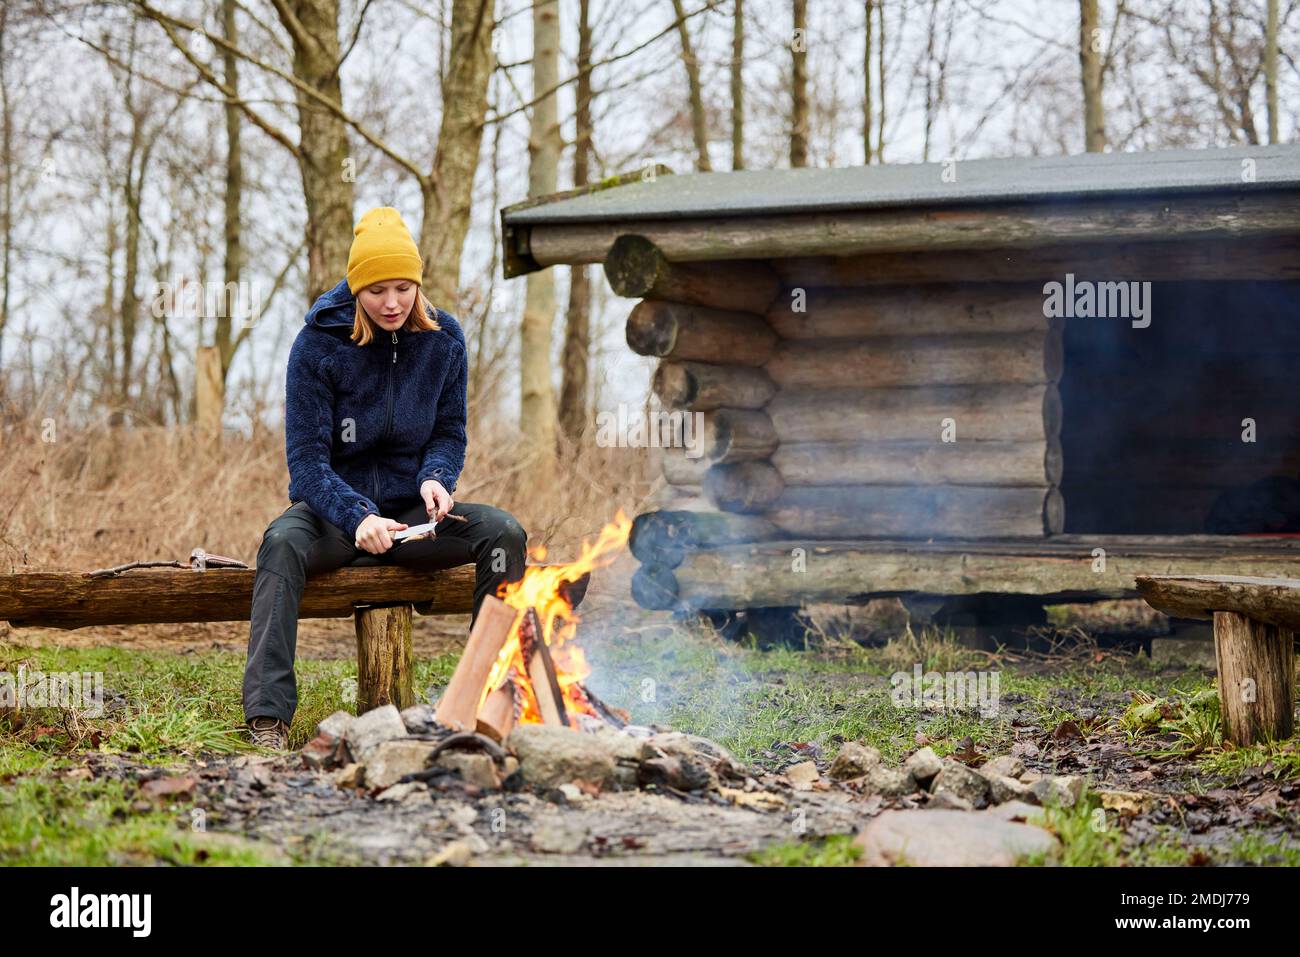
(1255, 620)
(380, 598)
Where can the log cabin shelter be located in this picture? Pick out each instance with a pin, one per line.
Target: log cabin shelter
(1029, 377)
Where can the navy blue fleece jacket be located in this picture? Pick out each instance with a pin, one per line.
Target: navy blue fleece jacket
(365, 426)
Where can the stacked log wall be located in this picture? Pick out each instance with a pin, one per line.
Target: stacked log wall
(825, 410)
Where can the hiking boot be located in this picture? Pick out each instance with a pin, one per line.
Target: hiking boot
(270, 732)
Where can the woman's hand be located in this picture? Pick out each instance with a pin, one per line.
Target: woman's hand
(437, 500)
(373, 533)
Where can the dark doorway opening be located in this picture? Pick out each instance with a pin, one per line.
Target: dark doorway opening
(1155, 429)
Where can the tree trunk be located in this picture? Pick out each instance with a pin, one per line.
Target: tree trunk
(537, 418)
(880, 83)
(449, 189)
(738, 87)
(866, 92)
(7, 169)
(699, 124)
(234, 255)
(1094, 119)
(323, 149)
(1270, 70)
(799, 87)
(577, 329)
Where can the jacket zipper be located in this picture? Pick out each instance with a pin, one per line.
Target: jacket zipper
(388, 415)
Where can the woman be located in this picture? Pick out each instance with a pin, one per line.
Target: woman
(375, 441)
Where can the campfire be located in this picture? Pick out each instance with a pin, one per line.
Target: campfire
(522, 664)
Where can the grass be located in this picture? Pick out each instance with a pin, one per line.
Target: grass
(175, 707)
(1089, 838)
(838, 850)
(185, 705)
(48, 820)
(1189, 724)
(750, 701)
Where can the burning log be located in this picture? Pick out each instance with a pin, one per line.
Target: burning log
(497, 716)
(541, 671)
(459, 706)
(614, 716)
(518, 666)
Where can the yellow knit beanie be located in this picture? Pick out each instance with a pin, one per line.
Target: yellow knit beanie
(382, 249)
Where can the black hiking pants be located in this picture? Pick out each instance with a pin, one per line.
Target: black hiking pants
(299, 544)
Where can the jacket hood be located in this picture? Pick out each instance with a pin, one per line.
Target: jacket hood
(334, 308)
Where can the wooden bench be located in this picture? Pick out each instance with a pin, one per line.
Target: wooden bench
(380, 598)
(1255, 620)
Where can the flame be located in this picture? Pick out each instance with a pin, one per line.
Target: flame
(541, 589)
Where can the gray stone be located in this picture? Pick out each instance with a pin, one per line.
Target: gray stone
(950, 801)
(942, 838)
(570, 793)
(924, 765)
(372, 729)
(336, 725)
(853, 761)
(400, 792)
(1063, 790)
(418, 718)
(350, 776)
(392, 760)
(1003, 789)
(962, 782)
(889, 782)
(455, 854)
(680, 745)
(550, 756)
(476, 769)
(559, 838)
(1013, 811)
(1007, 766)
(803, 776)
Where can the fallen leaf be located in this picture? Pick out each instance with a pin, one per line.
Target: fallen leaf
(1265, 803)
(169, 786)
(965, 752)
(1066, 730)
(1024, 748)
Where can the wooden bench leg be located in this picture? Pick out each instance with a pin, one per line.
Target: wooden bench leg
(384, 660)
(1256, 678)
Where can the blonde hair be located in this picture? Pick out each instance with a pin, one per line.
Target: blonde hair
(421, 319)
